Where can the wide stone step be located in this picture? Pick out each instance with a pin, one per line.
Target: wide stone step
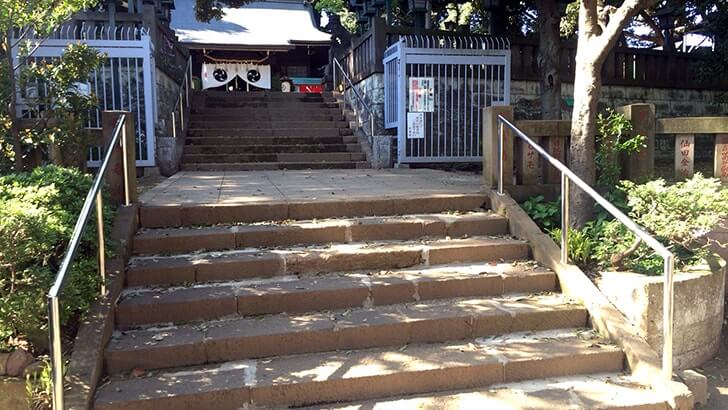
(407, 227)
(242, 123)
(280, 157)
(261, 93)
(233, 265)
(209, 214)
(269, 132)
(309, 293)
(268, 166)
(273, 111)
(282, 104)
(364, 374)
(265, 115)
(604, 391)
(380, 326)
(258, 140)
(279, 148)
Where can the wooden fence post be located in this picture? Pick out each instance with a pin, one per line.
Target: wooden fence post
(640, 166)
(115, 174)
(490, 146)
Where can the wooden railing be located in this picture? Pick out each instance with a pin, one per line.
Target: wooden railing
(624, 66)
(523, 166)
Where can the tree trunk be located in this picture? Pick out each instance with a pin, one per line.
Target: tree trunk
(12, 107)
(587, 89)
(548, 59)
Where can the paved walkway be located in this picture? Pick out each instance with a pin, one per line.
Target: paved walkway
(268, 186)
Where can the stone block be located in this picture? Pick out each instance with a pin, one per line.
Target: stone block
(697, 384)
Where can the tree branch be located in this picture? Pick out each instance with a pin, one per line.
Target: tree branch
(588, 18)
(621, 17)
(660, 39)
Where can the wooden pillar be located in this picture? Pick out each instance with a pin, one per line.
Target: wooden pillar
(490, 146)
(640, 166)
(721, 157)
(115, 174)
(684, 156)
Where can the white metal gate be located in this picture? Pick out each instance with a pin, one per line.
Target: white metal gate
(123, 81)
(435, 89)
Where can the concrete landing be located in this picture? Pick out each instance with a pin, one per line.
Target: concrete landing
(282, 186)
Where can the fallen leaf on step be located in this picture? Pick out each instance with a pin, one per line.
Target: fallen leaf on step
(138, 372)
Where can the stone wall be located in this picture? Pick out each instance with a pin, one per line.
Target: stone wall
(169, 150)
(371, 89)
(668, 102)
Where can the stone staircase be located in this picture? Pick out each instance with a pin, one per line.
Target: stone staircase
(418, 302)
(269, 130)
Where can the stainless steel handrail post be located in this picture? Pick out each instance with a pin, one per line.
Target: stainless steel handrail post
(568, 177)
(54, 317)
(564, 218)
(125, 162)
(356, 94)
(102, 242)
(500, 158)
(174, 125)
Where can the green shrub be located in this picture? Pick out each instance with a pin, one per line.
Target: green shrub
(38, 211)
(547, 215)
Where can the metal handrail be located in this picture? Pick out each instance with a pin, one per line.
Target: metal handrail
(356, 93)
(93, 197)
(184, 89)
(567, 176)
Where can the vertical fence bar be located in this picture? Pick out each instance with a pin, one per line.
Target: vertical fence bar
(564, 218)
(668, 311)
(54, 315)
(174, 125)
(102, 242)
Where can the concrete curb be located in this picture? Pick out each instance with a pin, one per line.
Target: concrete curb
(85, 368)
(642, 360)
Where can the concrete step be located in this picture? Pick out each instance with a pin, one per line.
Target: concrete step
(266, 166)
(603, 391)
(273, 111)
(233, 265)
(282, 104)
(165, 241)
(162, 216)
(269, 132)
(279, 157)
(309, 293)
(272, 141)
(260, 93)
(265, 115)
(363, 374)
(380, 326)
(264, 124)
(278, 148)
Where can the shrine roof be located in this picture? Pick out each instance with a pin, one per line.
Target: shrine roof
(260, 24)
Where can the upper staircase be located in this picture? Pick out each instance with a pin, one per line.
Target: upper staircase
(359, 305)
(237, 131)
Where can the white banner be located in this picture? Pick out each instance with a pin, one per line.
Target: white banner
(217, 74)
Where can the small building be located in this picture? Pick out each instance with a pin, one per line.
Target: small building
(265, 45)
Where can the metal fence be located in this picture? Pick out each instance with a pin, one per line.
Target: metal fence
(435, 89)
(124, 81)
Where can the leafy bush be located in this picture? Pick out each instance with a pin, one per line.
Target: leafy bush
(547, 215)
(38, 211)
(614, 139)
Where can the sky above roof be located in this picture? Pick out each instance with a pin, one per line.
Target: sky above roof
(261, 23)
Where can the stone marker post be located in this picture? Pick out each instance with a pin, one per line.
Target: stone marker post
(684, 156)
(490, 146)
(721, 157)
(641, 165)
(115, 175)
